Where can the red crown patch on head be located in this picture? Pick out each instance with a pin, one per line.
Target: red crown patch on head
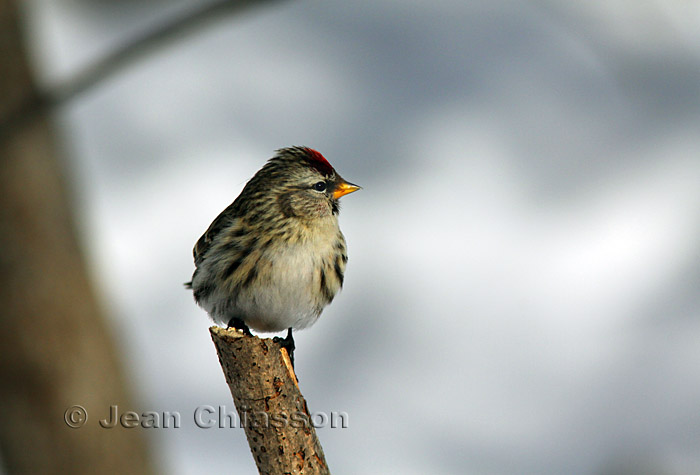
(319, 162)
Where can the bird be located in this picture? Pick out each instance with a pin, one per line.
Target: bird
(275, 257)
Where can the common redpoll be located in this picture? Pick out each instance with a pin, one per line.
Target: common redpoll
(276, 256)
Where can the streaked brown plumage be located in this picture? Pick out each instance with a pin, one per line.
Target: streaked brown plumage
(275, 257)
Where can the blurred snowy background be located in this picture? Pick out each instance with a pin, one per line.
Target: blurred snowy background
(523, 291)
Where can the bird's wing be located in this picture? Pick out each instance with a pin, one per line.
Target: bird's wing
(223, 221)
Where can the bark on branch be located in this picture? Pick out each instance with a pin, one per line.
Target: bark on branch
(271, 408)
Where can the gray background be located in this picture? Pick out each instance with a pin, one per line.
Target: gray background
(522, 291)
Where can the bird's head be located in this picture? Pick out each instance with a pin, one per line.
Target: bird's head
(304, 184)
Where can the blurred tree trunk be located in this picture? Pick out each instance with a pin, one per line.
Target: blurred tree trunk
(55, 349)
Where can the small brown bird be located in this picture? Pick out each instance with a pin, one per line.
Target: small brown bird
(276, 256)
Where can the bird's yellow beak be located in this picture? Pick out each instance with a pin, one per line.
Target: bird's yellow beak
(343, 188)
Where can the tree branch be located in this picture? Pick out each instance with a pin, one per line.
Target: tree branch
(42, 101)
(272, 410)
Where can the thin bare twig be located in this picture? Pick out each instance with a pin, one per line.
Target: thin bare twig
(136, 48)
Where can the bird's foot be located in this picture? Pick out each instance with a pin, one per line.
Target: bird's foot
(288, 344)
(239, 324)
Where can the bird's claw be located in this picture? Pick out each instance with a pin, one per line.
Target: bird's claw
(240, 325)
(288, 344)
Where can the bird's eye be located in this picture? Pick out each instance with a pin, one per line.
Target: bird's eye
(320, 186)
